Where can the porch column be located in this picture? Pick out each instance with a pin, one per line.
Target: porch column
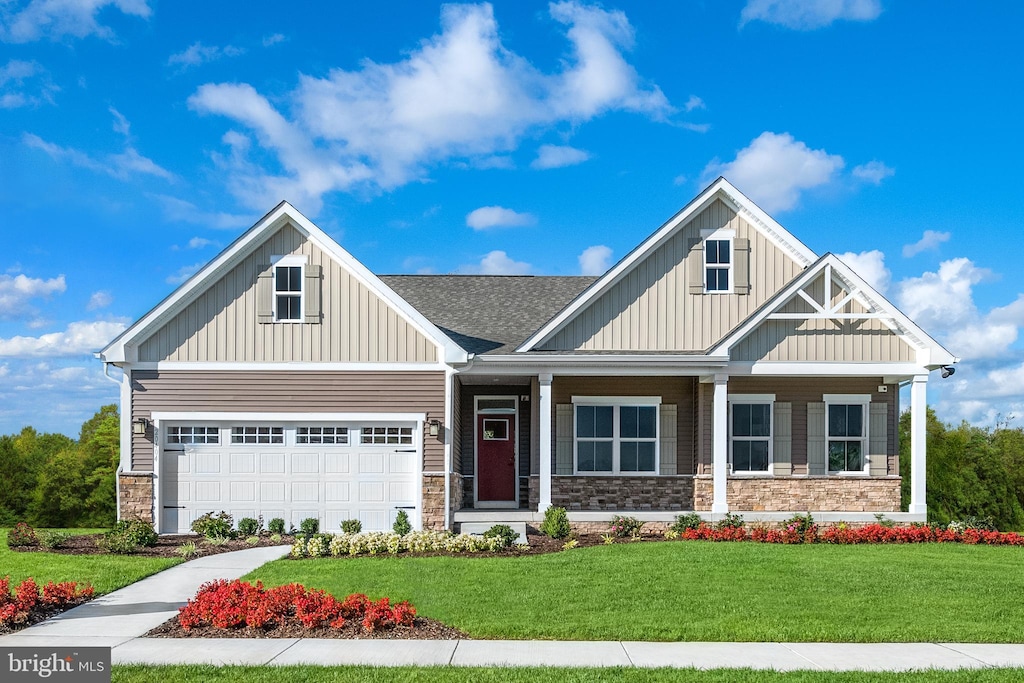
(918, 443)
(720, 444)
(545, 455)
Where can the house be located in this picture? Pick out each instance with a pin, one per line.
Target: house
(721, 366)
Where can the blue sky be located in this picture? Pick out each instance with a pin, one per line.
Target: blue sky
(138, 137)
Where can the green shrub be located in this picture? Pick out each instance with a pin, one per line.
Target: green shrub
(21, 535)
(506, 533)
(118, 542)
(626, 527)
(730, 521)
(690, 520)
(556, 523)
(218, 525)
(276, 526)
(247, 526)
(310, 525)
(882, 521)
(52, 540)
(252, 540)
(986, 523)
(351, 526)
(187, 550)
(140, 532)
(799, 524)
(217, 540)
(402, 525)
(275, 538)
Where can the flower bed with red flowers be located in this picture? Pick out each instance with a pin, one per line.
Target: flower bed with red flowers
(239, 608)
(841, 534)
(30, 604)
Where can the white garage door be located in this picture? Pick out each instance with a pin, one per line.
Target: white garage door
(331, 472)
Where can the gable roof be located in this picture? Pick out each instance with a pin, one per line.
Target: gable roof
(935, 355)
(720, 189)
(488, 314)
(122, 348)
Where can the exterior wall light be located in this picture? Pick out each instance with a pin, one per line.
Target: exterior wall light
(140, 426)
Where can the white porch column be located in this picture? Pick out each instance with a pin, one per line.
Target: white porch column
(918, 443)
(720, 444)
(545, 454)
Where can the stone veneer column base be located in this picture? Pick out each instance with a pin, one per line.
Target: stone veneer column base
(534, 487)
(622, 493)
(803, 494)
(433, 502)
(458, 494)
(136, 498)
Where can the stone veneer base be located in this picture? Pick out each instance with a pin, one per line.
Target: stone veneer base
(800, 494)
(136, 496)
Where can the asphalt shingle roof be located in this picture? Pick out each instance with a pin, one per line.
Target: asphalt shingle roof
(488, 313)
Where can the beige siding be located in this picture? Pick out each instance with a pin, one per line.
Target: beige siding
(651, 308)
(288, 392)
(221, 324)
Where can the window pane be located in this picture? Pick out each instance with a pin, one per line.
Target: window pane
(585, 456)
(760, 420)
(854, 458)
(836, 456)
(648, 422)
(717, 252)
(287, 307)
(837, 420)
(585, 421)
(627, 457)
(645, 456)
(741, 456)
(602, 456)
(603, 416)
(628, 422)
(741, 419)
(759, 456)
(854, 421)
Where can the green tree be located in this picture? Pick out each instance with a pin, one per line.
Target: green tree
(59, 499)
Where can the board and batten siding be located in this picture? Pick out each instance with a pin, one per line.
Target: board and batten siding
(798, 392)
(865, 340)
(652, 309)
(222, 325)
(287, 391)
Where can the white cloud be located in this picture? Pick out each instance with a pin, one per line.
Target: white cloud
(873, 172)
(78, 338)
(121, 124)
(774, 169)
(181, 211)
(693, 103)
(557, 156)
(487, 217)
(55, 19)
(942, 300)
(870, 265)
(25, 84)
(930, 240)
(184, 273)
(595, 260)
(806, 15)
(17, 290)
(274, 39)
(197, 53)
(497, 263)
(199, 243)
(461, 95)
(99, 299)
(679, 180)
(121, 166)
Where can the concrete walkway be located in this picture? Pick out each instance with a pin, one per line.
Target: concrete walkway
(118, 620)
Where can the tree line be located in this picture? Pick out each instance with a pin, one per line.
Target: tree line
(51, 480)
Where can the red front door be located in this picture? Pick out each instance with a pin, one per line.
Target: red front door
(496, 458)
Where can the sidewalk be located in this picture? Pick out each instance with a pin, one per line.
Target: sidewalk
(118, 620)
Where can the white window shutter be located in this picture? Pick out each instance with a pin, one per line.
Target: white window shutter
(265, 294)
(312, 289)
(695, 266)
(741, 265)
(817, 453)
(782, 437)
(878, 440)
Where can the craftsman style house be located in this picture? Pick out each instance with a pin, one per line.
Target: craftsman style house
(719, 367)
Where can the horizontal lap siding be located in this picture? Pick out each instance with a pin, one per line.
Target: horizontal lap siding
(288, 392)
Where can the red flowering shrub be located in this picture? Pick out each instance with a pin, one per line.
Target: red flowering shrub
(27, 598)
(841, 534)
(231, 604)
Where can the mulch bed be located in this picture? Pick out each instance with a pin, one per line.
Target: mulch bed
(166, 546)
(422, 629)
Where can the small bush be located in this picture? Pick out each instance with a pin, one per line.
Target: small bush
(140, 532)
(275, 538)
(187, 550)
(247, 526)
(252, 540)
(730, 521)
(276, 526)
(21, 535)
(506, 533)
(556, 523)
(217, 540)
(972, 522)
(117, 543)
(690, 520)
(218, 525)
(52, 540)
(351, 526)
(626, 527)
(569, 545)
(402, 525)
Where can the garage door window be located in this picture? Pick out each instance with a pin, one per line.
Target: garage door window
(387, 435)
(257, 435)
(315, 435)
(192, 435)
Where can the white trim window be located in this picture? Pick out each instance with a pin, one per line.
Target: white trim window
(613, 435)
(257, 434)
(287, 293)
(846, 433)
(750, 433)
(192, 434)
(718, 265)
(321, 435)
(380, 436)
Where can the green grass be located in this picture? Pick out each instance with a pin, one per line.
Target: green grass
(104, 572)
(701, 591)
(361, 674)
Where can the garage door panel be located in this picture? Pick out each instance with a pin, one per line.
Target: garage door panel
(336, 491)
(336, 463)
(373, 519)
(300, 514)
(242, 492)
(305, 492)
(400, 491)
(272, 463)
(371, 463)
(371, 492)
(305, 463)
(242, 463)
(333, 517)
(207, 492)
(272, 492)
(401, 463)
(242, 513)
(207, 463)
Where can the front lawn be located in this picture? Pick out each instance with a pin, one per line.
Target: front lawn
(104, 572)
(363, 674)
(700, 591)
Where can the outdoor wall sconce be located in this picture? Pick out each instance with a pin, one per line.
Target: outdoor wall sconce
(434, 426)
(140, 425)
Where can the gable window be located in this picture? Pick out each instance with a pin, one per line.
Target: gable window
(750, 433)
(717, 265)
(287, 292)
(613, 435)
(846, 433)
